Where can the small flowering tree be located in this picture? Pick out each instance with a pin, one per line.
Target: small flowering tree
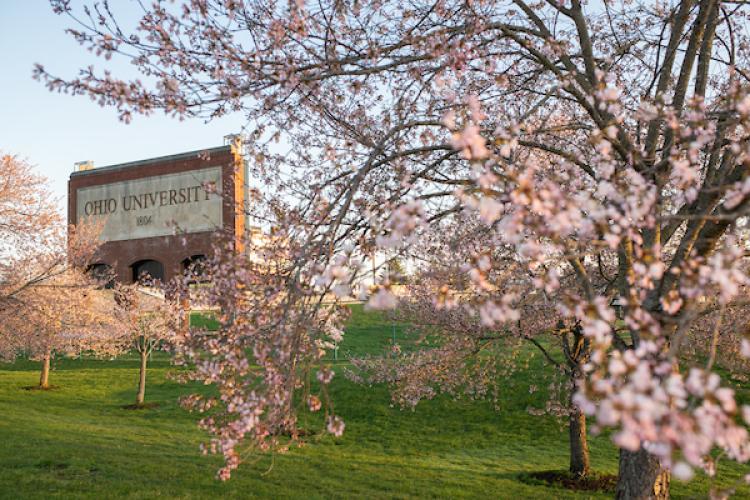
(62, 314)
(31, 229)
(459, 353)
(578, 133)
(147, 322)
(48, 303)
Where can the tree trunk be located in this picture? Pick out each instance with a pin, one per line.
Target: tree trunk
(579, 445)
(641, 476)
(142, 380)
(580, 465)
(44, 377)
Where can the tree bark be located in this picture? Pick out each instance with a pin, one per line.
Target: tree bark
(139, 398)
(579, 445)
(641, 476)
(44, 377)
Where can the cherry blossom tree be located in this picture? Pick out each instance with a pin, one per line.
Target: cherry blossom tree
(718, 337)
(611, 132)
(459, 354)
(31, 228)
(60, 311)
(47, 300)
(148, 321)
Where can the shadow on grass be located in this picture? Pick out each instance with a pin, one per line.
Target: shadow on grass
(40, 388)
(62, 363)
(141, 406)
(563, 479)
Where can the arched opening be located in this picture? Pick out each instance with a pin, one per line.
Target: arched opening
(195, 268)
(102, 273)
(147, 271)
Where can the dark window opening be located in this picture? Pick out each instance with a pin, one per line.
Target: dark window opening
(195, 268)
(147, 272)
(103, 274)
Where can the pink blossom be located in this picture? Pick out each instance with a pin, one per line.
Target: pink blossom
(382, 299)
(325, 375)
(489, 209)
(470, 143)
(682, 471)
(627, 440)
(313, 402)
(335, 425)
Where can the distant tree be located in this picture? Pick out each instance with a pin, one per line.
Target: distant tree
(63, 314)
(396, 272)
(719, 338)
(32, 231)
(460, 354)
(48, 301)
(147, 322)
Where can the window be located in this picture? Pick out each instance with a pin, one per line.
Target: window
(103, 273)
(195, 267)
(147, 271)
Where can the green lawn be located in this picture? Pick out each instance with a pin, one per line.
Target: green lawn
(77, 441)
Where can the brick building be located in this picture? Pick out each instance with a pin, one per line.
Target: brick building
(162, 214)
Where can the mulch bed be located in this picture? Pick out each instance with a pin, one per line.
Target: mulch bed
(564, 479)
(40, 388)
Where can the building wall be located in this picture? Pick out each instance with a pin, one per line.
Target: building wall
(172, 249)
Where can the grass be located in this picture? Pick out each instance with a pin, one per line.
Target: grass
(78, 442)
(205, 320)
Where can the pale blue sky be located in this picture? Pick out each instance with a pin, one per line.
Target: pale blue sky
(55, 130)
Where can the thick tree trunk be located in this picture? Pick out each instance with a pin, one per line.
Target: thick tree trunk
(641, 476)
(142, 380)
(44, 377)
(579, 445)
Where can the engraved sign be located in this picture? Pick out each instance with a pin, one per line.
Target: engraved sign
(154, 206)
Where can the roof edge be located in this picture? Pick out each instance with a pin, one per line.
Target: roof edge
(150, 161)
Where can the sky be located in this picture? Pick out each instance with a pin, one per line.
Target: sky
(53, 131)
